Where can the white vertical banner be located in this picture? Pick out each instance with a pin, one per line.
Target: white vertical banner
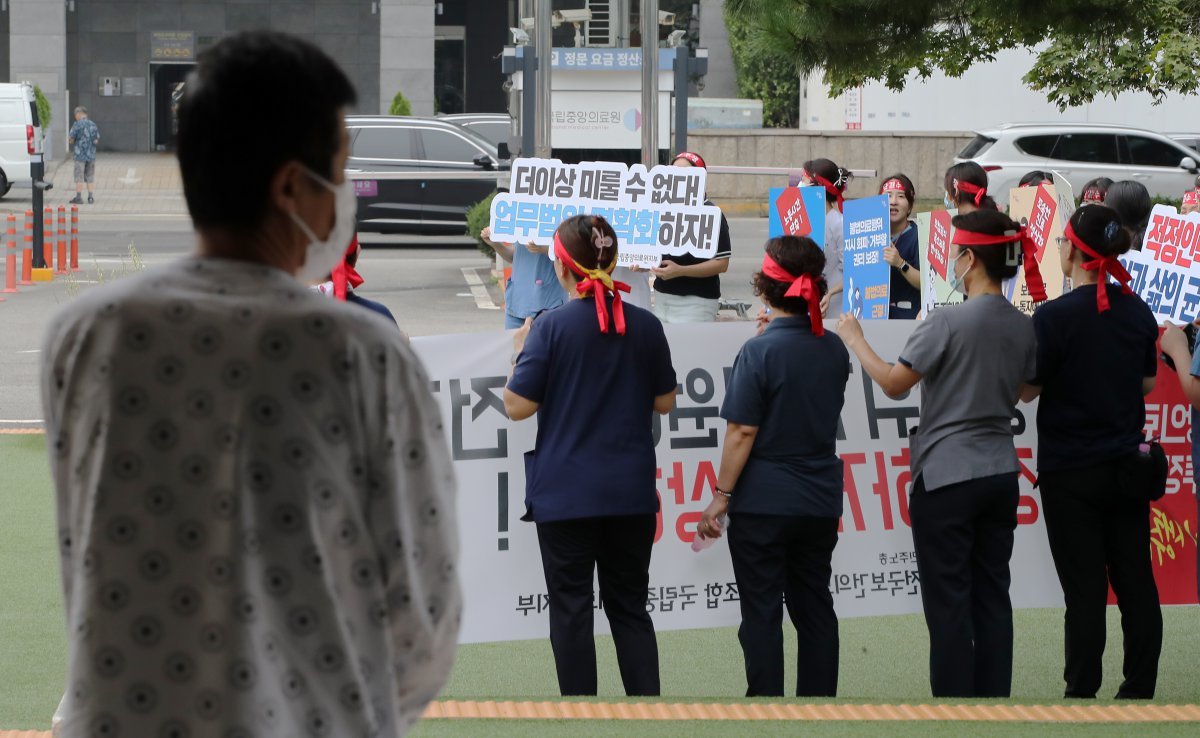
(875, 571)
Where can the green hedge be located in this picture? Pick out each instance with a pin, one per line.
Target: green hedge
(477, 219)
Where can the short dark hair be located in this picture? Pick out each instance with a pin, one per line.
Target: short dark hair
(910, 191)
(1001, 261)
(576, 236)
(1035, 178)
(798, 255)
(968, 171)
(1099, 186)
(1099, 227)
(837, 176)
(232, 139)
(1132, 203)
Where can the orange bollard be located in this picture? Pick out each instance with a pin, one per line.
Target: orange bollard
(62, 239)
(74, 237)
(48, 238)
(27, 257)
(10, 259)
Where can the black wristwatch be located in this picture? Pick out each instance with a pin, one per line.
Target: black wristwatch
(904, 269)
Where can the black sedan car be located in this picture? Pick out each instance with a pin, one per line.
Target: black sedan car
(417, 175)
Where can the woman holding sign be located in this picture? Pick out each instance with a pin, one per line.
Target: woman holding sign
(594, 371)
(972, 360)
(824, 173)
(780, 479)
(903, 255)
(687, 289)
(1096, 362)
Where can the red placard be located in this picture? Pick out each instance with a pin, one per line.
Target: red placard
(939, 241)
(1041, 220)
(792, 213)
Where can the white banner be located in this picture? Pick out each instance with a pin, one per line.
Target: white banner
(875, 570)
(1165, 272)
(655, 213)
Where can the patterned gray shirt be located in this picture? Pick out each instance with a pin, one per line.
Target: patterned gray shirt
(256, 513)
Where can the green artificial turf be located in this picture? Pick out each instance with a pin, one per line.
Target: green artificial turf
(883, 659)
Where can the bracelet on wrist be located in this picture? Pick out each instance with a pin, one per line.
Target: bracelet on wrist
(723, 493)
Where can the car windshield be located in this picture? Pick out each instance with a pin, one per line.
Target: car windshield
(977, 146)
(475, 138)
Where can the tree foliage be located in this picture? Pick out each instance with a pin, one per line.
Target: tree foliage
(1085, 49)
(763, 75)
(400, 105)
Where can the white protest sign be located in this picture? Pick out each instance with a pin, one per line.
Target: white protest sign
(874, 565)
(655, 213)
(1165, 272)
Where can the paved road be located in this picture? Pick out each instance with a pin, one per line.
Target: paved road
(421, 280)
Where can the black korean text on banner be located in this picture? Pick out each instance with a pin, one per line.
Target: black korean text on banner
(655, 213)
(1166, 272)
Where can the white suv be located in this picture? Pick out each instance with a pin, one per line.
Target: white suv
(1081, 152)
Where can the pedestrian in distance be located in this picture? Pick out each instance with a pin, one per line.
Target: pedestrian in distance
(1133, 204)
(687, 288)
(972, 361)
(1035, 178)
(533, 287)
(84, 137)
(594, 371)
(256, 515)
(833, 179)
(780, 481)
(1097, 360)
(903, 253)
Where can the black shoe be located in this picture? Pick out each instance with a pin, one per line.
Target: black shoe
(77, 200)
(91, 200)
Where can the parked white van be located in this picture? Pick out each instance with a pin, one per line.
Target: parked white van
(20, 133)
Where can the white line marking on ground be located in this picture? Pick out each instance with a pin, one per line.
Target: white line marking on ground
(483, 301)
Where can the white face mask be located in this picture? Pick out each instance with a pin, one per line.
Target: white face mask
(957, 280)
(324, 255)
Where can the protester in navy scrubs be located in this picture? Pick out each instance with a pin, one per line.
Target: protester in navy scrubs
(903, 255)
(594, 371)
(1097, 359)
(972, 361)
(687, 289)
(345, 279)
(781, 479)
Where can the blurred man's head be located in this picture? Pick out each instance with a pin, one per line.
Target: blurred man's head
(80, 113)
(262, 138)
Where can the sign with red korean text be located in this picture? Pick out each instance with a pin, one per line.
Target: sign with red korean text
(1173, 524)
(1039, 209)
(792, 213)
(934, 232)
(874, 565)
(1165, 272)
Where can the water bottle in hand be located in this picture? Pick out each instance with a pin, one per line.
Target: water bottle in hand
(699, 543)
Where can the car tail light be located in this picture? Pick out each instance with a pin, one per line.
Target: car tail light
(29, 139)
(992, 169)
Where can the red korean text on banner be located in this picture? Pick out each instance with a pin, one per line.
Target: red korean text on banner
(939, 241)
(1173, 525)
(1042, 220)
(1172, 239)
(792, 213)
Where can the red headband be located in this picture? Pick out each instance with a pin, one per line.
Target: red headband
(804, 286)
(1093, 194)
(344, 274)
(829, 187)
(1191, 197)
(892, 185)
(1106, 265)
(972, 189)
(598, 283)
(695, 159)
(1033, 275)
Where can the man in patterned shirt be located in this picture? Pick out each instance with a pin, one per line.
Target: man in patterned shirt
(255, 497)
(84, 136)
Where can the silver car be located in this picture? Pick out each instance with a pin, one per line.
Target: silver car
(1081, 152)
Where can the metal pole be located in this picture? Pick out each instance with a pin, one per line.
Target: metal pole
(37, 169)
(544, 46)
(681, 98)
(649, 82)
(620, 17)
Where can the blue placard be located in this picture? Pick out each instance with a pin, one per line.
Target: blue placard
(814, 205)
(866, 230)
